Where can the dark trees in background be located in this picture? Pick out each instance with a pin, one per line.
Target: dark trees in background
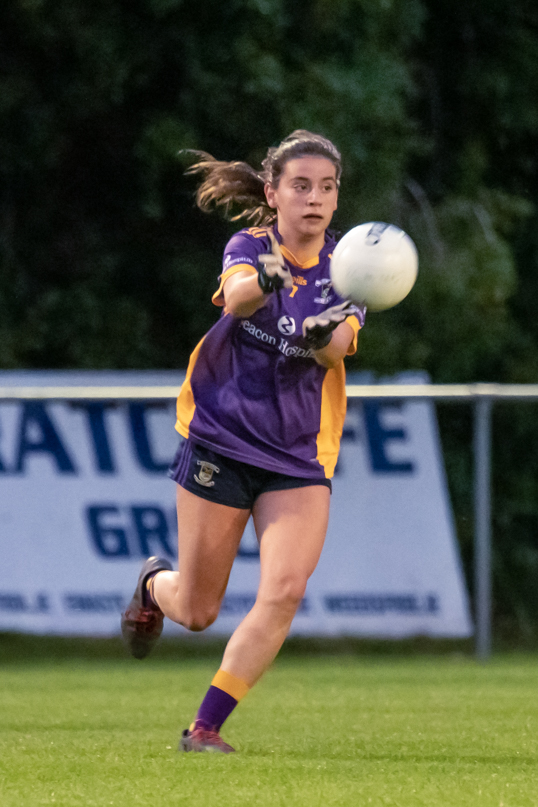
(105, 262)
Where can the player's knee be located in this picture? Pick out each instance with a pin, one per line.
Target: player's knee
(199, 618)
(289, 591)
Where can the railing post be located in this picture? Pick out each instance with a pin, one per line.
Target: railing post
(482, 525)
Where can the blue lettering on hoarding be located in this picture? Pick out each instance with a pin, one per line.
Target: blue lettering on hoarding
(139, 431)
(109, 540)
(431, 604)
(13, 602)
(117, 532)
(365, 420)
(243, 603)
(42, 603)
(381, 604)
(136, 531)
(352, 430)
(94, 603)
(19, 603)
(151, 528)
(38, 434)
(248, 552)
(237, 603)
(378, 438)
(95, 411)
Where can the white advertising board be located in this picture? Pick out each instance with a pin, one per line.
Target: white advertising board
(85, 496)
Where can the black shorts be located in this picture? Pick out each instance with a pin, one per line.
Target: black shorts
(225, 481)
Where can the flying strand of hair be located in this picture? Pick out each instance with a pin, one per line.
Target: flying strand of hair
(230, 186)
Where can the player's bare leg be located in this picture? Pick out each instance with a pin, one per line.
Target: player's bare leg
(208, 538)
(291, 526)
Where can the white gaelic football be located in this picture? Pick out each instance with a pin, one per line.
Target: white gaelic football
(374, 264)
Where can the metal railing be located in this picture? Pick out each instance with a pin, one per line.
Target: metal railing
(482, 396)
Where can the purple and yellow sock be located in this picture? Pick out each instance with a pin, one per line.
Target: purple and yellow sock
(221, 699)
(149, 597)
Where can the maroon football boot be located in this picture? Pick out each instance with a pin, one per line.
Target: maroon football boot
(142, 621)
(205, 740)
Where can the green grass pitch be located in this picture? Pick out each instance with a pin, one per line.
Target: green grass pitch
(340, 730)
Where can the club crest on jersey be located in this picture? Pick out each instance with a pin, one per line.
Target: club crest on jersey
(286, 325)
(325, 285)
(205, 474)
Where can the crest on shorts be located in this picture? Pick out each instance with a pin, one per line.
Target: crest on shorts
(205, 474)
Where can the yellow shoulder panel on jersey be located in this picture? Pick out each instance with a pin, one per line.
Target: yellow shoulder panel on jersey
(218, 297)
(258, 232)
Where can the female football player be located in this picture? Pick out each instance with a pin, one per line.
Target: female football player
(262, 410)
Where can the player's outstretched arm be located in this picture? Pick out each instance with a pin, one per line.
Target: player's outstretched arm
(244, 292)
(329, 335)
(338, 347)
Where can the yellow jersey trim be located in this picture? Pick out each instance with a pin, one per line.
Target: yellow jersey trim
(185, 407)
(333, 414)
(259, 232)
(218, 297)
(355, 324)
(333, 408)
(292, 259)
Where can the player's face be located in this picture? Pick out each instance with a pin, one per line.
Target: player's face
(306, 196)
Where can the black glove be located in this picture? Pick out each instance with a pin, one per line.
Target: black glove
(272, 272)
(318, 331)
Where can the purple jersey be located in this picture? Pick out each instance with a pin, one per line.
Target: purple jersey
(253, 390)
